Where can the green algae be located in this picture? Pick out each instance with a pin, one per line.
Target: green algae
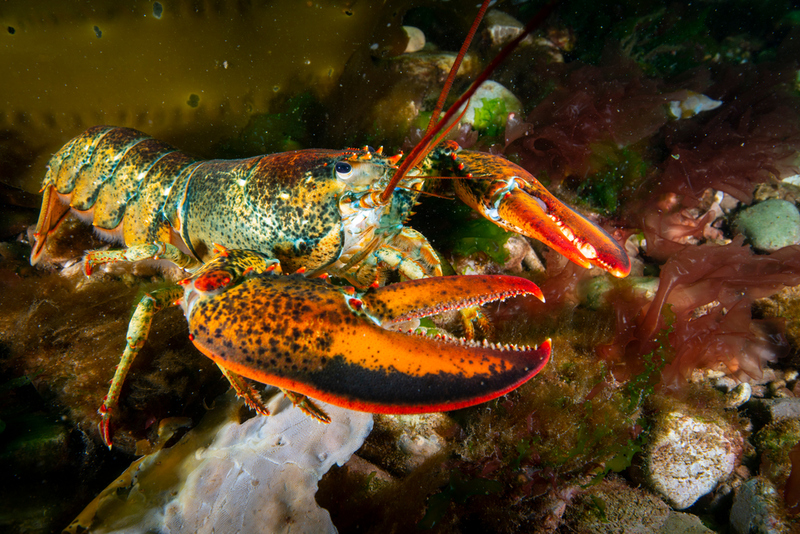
(490, 117)
(615, 171)
(483, 236)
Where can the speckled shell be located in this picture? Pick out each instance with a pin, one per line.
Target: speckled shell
(285, 205)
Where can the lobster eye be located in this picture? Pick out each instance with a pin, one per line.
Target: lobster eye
(343, 170)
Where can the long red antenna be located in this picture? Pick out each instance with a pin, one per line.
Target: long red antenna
(451, 76)
(416, 155)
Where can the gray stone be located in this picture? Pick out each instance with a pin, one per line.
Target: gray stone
(771, 410)
(681, 523)
(612, 506)
(770, 225)
(756, 510)
(688, 457)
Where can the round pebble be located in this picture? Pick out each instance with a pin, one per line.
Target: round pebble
(770, 225)
(738, 395)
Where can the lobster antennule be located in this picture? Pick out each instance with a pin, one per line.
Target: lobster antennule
(309, 337)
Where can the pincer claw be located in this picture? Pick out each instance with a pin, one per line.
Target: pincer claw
(306, 336)
(541, 216)
(512, 198)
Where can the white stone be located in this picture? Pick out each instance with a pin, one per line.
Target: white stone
(692, 104)
(259, 476)
(688, 457)
(416, 39)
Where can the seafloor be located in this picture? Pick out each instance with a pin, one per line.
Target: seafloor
(672, 399)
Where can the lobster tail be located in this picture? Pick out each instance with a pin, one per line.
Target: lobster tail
(104, 174)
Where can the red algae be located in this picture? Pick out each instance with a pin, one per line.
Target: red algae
(710, 290)
(791, 493)
(592, 106)
(752, 137)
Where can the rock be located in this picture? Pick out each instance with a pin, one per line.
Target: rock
(416, 39)
(771, 410)
(402, 443)
(681, 523)
(687, 457)
(225, 476)
(738, 395)
(774, 442)
(501, 28)
(757, 509)
(488, 109)
(770, 225)
(593, 291)
(613, 506)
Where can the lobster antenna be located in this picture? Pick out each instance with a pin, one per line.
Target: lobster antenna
(451, 76)
(416, 154)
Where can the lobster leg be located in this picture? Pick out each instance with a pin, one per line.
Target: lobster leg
(245, 391)
(411, 254)
(138, 329)
(155, 251)
(253, 400)
(307, 406)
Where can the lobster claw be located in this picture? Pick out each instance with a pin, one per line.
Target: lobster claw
(519, 203)
(309, 337)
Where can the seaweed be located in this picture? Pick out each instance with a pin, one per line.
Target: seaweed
(459, 490)
(490, 117)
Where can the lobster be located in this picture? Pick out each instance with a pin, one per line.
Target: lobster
(333, 213)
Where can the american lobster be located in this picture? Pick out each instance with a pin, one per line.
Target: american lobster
(335, 213)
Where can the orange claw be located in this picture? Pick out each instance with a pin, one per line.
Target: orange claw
(517, 201)
(306, 336)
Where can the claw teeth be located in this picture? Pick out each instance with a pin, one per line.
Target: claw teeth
(588, 251)
(485, 343)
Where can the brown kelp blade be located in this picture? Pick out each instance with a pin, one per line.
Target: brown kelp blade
(312, 338)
